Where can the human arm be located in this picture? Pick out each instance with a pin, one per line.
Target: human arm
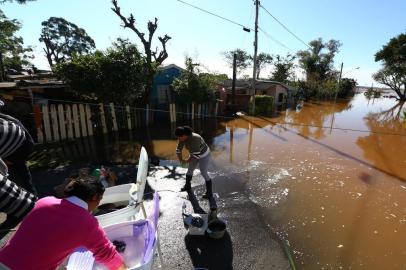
(103, 250)
(179, 151)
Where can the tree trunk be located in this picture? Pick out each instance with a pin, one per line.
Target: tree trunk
(2, 73)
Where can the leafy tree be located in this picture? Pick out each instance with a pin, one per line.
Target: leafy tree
(63, 39)
(193, 86)
(263, 60)
(393, 73)
(318, 61)
(13, 55)
(116, 75)
(283, 68)
(346, 87)
(152, 57)
(243, 59)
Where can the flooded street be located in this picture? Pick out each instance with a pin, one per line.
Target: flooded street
(337, 194)
(330, 180)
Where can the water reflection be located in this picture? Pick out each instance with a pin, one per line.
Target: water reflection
(328, 182)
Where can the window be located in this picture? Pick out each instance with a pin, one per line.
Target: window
(280, 97)
(264, 92)
(163, 94)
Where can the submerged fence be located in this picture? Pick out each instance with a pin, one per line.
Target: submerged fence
(68, 121)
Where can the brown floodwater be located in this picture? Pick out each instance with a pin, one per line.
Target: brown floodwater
(330, 179)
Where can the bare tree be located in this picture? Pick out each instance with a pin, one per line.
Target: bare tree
(153, 58)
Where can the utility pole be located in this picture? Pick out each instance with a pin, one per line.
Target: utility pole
(335, 98)
(255, 54)
(339, 81)
(234, 78)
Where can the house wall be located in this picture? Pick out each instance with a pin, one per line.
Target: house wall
(162, 79)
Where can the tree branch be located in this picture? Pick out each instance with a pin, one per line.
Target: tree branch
(128, 22)
(163, 54)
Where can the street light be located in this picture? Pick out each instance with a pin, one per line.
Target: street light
(351, 70)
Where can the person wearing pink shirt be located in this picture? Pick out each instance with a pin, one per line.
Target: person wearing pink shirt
(56, 227)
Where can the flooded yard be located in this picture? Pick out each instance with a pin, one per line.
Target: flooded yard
(329, 179)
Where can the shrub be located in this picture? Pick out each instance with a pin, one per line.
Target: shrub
(263, 105)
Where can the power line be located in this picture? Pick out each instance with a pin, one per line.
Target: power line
(274, 39)
(247, 29)
(227, 117)
(284, 26)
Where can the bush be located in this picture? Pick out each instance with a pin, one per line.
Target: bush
(263, 105)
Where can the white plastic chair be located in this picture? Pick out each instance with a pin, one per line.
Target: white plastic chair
(141, 239)
(133, 193)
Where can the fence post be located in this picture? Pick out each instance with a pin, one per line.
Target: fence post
(102, 118)
(135, 117)
(193, 110)
(62, 128)
(216, 109)
(89, 120)
(199, 111)
(47, 126)
(38, 123)
(54, 119)
(113, 116)
(174, 112)
(76, 120)
(69, 121)
(82, 119)
(127, 108)
(147, 115)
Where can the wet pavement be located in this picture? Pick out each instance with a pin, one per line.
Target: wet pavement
(247, 243)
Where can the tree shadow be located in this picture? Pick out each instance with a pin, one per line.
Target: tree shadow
(213, 254)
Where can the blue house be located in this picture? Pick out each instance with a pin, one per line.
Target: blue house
(162, 94)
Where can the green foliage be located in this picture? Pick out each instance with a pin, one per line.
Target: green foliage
(346, 87)
(116, 75)
(393, 73)
(263, 105)
(372, 93)
(283, 68)
(13, 55)
(263, 59)
(193, 86)
(63, 39)
(243, 59)
(318, 61)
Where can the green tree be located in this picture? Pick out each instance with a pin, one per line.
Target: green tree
(116, 75)
(346, 87)
(263, 60)
(393, 73)
(194, 86)
(283, 68)
(13, 54)
(152, 57)
(318, 61)
(63, 39)
(243, 59)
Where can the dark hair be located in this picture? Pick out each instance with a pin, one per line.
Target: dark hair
(84, 187)
(184, 130)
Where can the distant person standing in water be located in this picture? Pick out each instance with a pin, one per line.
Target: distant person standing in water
(199, 155)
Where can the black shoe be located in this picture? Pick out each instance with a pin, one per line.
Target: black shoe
(209, 190)
(188, 185)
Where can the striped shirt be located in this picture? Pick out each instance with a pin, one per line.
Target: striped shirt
(12, 135)
(196, 146)
(14, 201)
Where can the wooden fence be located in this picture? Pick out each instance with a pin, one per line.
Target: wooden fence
(59, 122)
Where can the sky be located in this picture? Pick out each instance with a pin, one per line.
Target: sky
(362, 26)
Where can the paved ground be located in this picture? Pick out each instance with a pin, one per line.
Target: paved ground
(246, 245)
